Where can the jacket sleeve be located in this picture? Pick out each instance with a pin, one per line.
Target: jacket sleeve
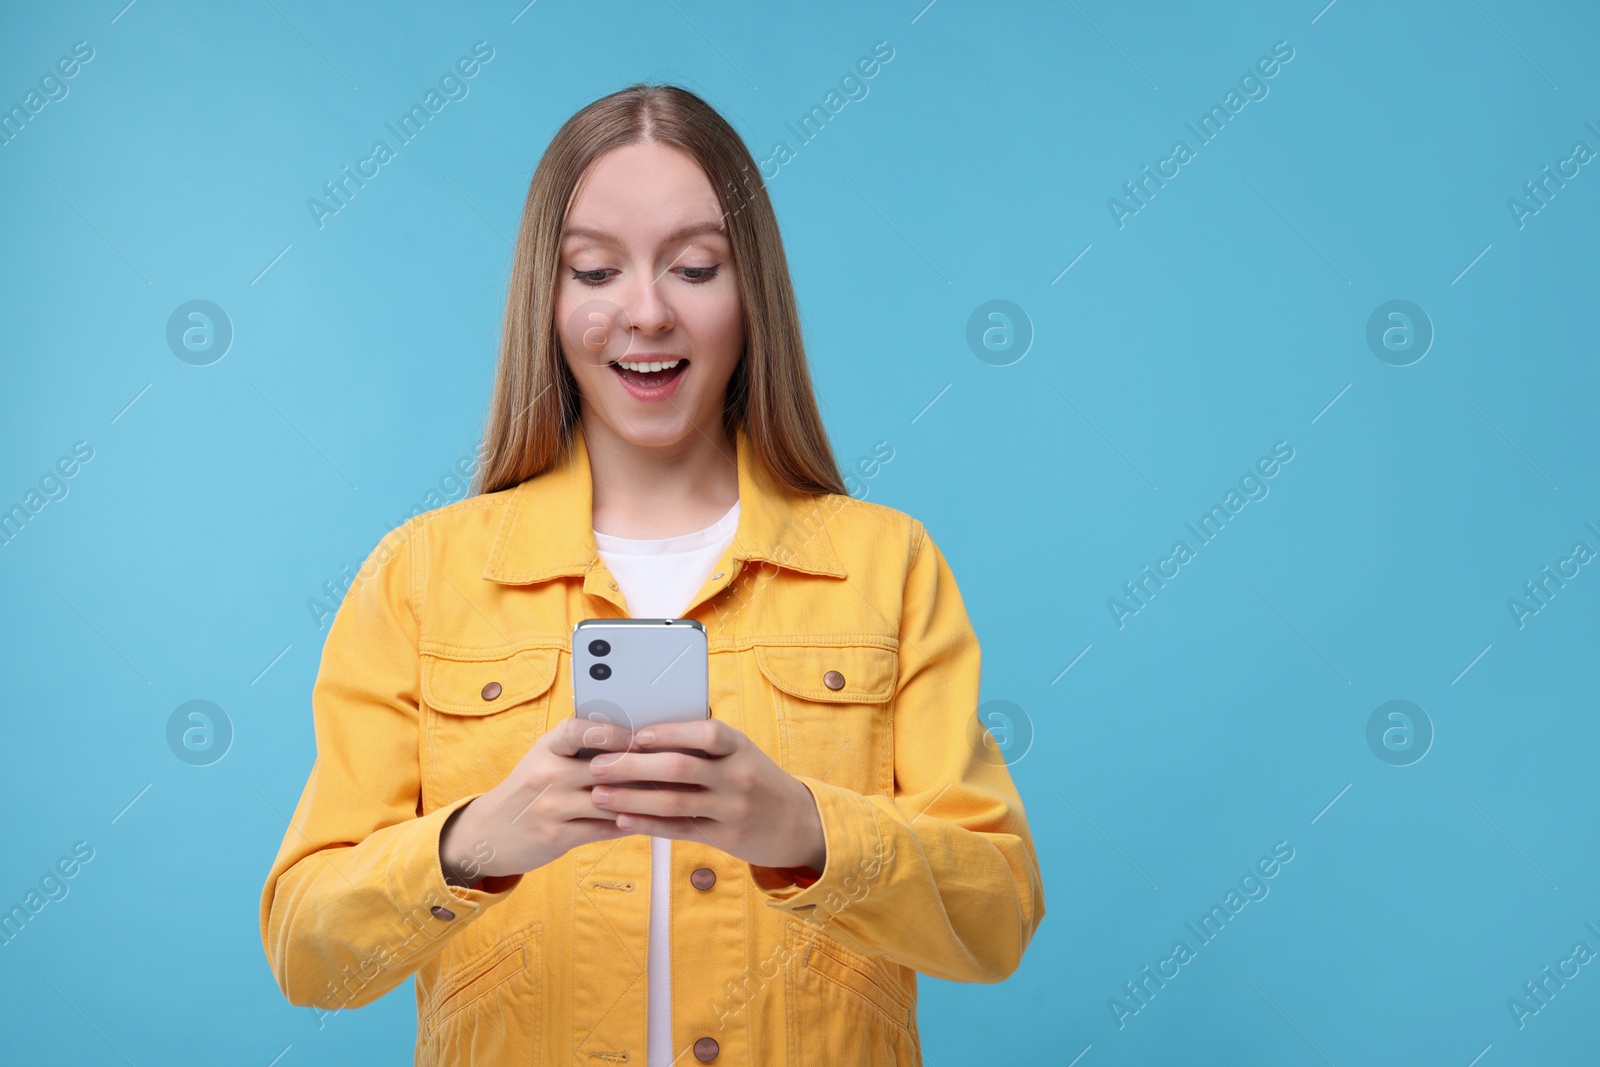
(357, 899)
(942, 878)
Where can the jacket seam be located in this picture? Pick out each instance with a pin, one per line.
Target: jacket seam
(418, 588)
(901, 1020)
(887, 642)
(485, 960)
(287, 923)
(469, 504)
(490, 653)
(468, 976)
(891, 746)
(424, 725)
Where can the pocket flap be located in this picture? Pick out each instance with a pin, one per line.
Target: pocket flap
(863, 673)
(483, 683)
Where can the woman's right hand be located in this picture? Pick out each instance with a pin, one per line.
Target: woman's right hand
(541, 810)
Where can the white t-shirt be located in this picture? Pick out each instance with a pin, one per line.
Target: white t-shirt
(657, 578)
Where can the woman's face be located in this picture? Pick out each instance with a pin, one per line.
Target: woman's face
(646, 278)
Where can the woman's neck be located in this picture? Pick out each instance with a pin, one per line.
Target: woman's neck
(646, 492)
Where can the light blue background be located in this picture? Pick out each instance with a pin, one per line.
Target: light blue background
(1223, 317)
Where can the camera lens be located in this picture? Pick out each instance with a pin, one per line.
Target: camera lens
(600, 672)
(599, 648)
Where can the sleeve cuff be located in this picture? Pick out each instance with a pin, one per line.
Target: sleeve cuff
(855, 855)
(417, 883)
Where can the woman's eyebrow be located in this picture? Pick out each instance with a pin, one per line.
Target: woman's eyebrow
(692, 229)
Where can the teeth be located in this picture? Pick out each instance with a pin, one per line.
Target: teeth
(649, 368)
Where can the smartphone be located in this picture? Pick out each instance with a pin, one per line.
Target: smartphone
(638, 672)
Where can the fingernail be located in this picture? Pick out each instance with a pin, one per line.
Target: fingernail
(624, 821)
(646, 736)
(602, 796)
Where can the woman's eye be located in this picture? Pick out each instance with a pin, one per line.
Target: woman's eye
(601, 275)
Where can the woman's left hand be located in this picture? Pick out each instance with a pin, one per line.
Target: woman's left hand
(734, 797)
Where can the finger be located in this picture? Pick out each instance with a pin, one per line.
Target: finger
(703, 831)
(638, 766)
(649, 800)
(564, 796)
(581, 807)
(563, 802)
(712, 736)
(587, 831)
(576, 733)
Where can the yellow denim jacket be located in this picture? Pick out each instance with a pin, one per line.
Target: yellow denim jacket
(930, 863)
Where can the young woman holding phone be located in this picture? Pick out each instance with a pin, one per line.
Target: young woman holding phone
(653, 450)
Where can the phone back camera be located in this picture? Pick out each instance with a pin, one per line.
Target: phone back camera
(599, 648)
(600, 671)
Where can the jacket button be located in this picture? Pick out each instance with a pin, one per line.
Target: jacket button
(706, 1049)
(492, 690)
(703, 878)
(833, 680)
(443, 913)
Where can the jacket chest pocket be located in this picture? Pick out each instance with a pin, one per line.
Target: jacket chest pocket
(833, 704)
(484, 709)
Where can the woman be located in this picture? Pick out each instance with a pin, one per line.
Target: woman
(653, 448)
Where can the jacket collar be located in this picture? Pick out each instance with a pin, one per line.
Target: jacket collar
(547, 530)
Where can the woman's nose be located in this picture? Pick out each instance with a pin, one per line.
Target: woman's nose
(646, 307)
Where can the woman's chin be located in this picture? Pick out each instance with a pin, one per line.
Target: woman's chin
(665, 430)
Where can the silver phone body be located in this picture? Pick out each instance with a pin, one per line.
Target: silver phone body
(659, 671)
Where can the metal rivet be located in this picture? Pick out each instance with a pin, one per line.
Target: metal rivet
(703, 878)
(706, 1049)
(613, 585)
(717, 575)
(491, 691)
(833, 680)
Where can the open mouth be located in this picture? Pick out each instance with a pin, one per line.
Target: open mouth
(649, 379)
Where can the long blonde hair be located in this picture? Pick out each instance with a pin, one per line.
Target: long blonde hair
(535, 402)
